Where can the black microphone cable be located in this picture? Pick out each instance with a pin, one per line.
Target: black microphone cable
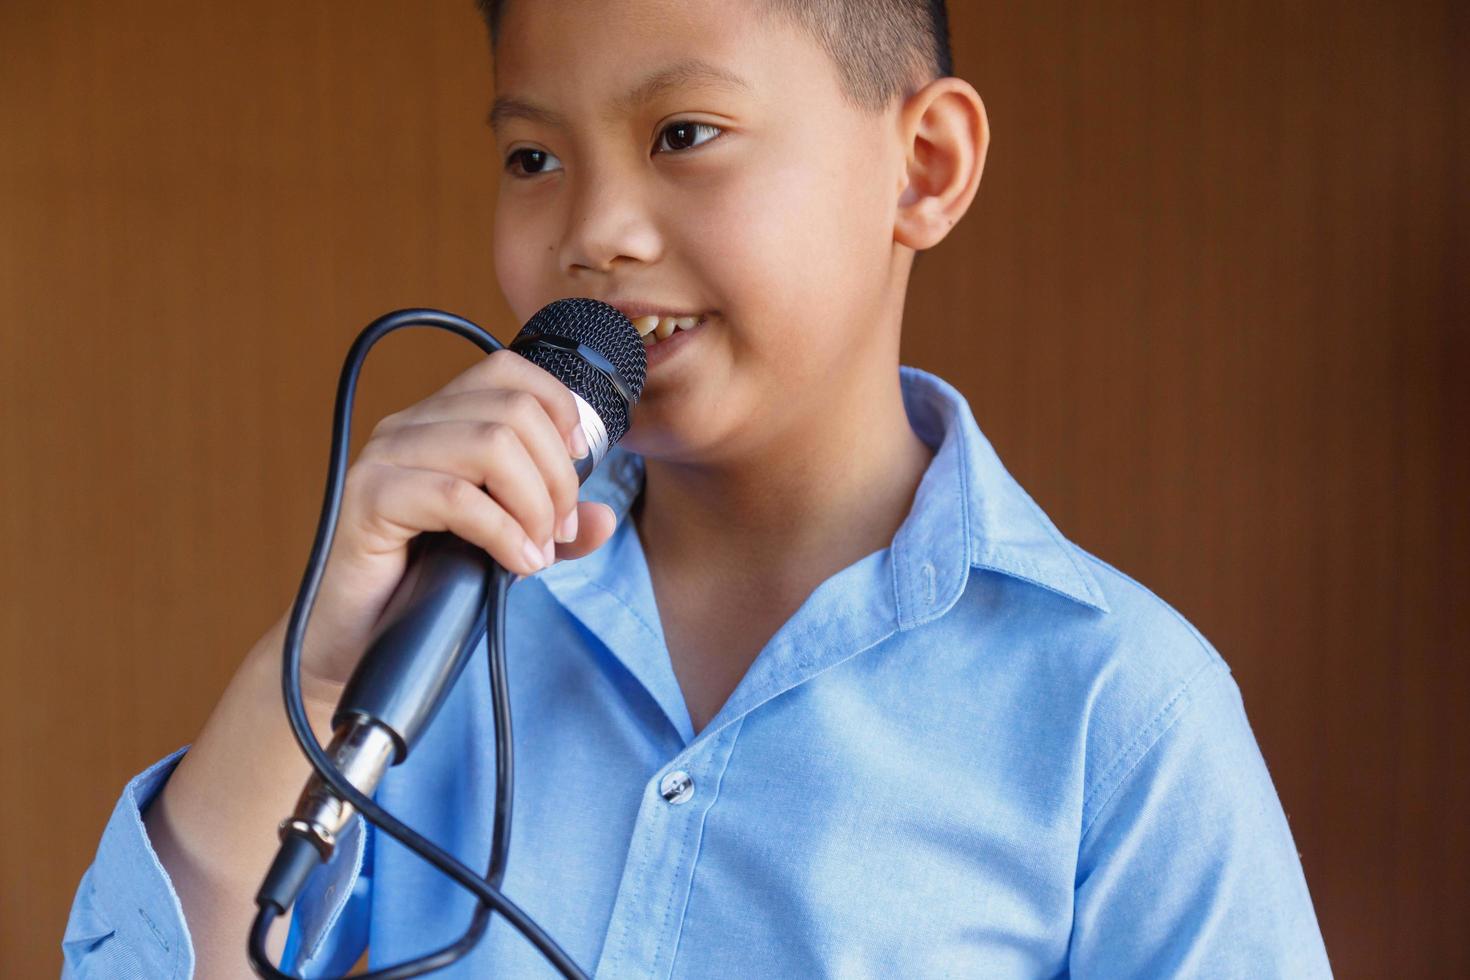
(298, 857)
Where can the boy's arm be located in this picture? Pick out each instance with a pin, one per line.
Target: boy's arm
(1187, 866)
(495, 470)
(171, 892)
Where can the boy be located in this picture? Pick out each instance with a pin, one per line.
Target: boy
(823, 692)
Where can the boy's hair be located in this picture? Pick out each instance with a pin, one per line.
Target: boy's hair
(882, 48)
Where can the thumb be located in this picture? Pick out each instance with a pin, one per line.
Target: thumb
(595, 524)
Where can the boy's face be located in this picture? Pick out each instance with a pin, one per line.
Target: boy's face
(738, 185)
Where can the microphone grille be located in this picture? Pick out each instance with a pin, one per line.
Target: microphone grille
(603, 329)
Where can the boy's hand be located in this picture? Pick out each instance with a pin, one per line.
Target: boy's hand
(504, 426)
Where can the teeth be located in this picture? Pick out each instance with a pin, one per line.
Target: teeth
(653, 328)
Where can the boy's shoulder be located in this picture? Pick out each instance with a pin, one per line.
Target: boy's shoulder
(999, 554)
(1089, 651)
(1110, 681)
(1141, 631)
(1118, 648)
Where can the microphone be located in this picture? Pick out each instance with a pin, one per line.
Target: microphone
(438, 612)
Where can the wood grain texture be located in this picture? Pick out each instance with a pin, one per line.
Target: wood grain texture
(1210, 306)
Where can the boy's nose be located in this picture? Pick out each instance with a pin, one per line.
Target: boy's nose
(607, 225)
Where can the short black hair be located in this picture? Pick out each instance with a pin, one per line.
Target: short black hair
(882, 48)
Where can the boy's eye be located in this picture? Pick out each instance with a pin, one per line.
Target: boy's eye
(683, 135)
(528, 162)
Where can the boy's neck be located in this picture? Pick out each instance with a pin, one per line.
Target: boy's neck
(799, 508)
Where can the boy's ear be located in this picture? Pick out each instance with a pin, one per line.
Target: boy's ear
(945, 134)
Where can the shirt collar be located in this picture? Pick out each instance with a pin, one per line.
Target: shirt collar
(968, 512)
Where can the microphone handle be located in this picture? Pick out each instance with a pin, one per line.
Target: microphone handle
(430, 626)
(426, 634)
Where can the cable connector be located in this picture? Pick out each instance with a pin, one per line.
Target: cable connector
(294, 863)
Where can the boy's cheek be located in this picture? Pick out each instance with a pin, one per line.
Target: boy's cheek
(779, 228)
(797, 254)
(526, 260)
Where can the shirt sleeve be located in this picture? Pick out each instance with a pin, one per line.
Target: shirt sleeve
(127, 923)
(1187, 866)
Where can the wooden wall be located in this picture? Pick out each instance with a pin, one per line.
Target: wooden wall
(1210, 306)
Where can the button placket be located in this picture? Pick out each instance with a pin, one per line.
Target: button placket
(647, 917)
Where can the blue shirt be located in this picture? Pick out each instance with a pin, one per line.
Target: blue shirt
(979, 751)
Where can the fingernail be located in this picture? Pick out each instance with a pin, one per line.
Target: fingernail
(566, 529)
(549, 550)
(579, 443)
(533, 556)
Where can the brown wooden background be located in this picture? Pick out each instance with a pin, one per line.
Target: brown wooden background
(1211, 307)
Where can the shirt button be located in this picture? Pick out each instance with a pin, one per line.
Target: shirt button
(677, 787)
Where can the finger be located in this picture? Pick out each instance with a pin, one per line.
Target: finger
(595, 524)
(507, 369)
(526, 412)
(518, 409)
(394, 503)
(487, 454)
